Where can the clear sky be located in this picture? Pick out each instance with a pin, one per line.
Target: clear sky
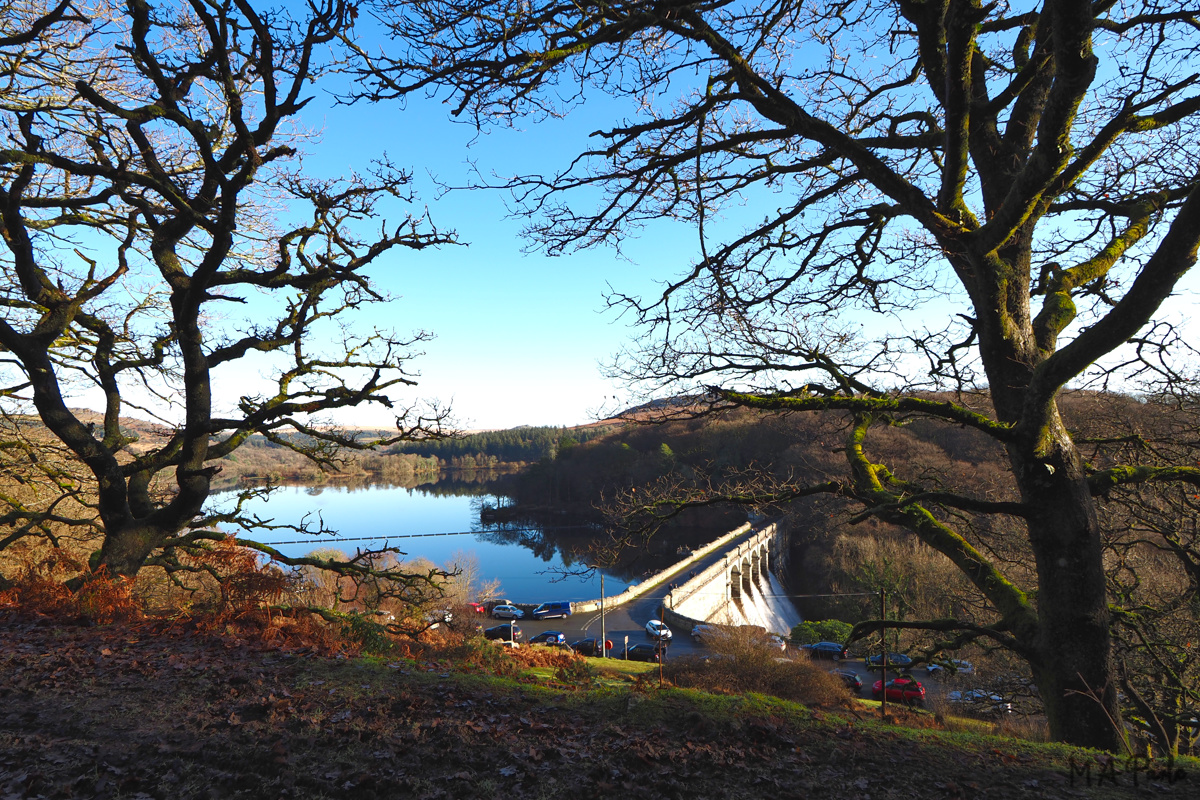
(519, 337)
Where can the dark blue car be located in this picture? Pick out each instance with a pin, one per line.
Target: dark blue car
(510, 631)
(549, 637)
(894, 661)
(547, 610)
(589, 647)
(645, 652)
(829, 650)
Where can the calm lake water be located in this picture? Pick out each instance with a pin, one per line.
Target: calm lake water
(524, 560)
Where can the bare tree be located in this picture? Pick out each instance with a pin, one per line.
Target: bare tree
(1153, 564)
(939, 193)
(158, 231)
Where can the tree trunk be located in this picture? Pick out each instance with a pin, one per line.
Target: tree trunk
(1073, 668)
(126, 549)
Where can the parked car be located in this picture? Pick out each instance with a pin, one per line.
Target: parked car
(658, 630)
(850, 678)
(827, 650)
(549, 637)
(645, 652)
(477, 608)
(776, 642)
(436, 618)
(506, 611)
(900, 690)
(981, 701)
(955, 666)
(547, 610)
(700, 632)
(894, 661)
(589, 647)
(509, 630)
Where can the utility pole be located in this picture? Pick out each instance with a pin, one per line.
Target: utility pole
(884, 662)
(603, 632)
(662, 651)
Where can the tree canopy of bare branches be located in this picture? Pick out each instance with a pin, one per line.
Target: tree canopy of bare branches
(157, 230)
(889, 195)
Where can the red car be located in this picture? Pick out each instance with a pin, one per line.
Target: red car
(477, 608)
(900, 690)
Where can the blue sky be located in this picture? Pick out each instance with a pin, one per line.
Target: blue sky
(519, 336)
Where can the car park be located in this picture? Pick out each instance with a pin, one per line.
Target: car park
(509, 630)
(953, 666)
(645, 652)
(549, 637)
(588, 647)
(827, 650)
(900, 690)
(981, 701)
(658, 630)
(506, 611)
(548, 610)
(894, 661)
(850, 678)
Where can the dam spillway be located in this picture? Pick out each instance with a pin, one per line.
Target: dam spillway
(738, 589)
(765, 606)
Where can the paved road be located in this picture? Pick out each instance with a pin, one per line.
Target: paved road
(628, 620)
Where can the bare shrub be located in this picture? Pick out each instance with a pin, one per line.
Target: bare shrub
(474, 652)
(466, 583)
(1020, 726)
(555, 657)
(742, 661)
(100, 597)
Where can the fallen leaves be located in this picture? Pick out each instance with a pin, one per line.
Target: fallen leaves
(98, 712)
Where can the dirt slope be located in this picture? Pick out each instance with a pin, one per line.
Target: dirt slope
(115, 712)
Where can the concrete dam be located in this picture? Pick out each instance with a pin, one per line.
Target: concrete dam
(726, 582)
(739, 588)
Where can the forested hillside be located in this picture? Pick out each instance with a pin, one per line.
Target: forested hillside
(420, 461)
(524, 444)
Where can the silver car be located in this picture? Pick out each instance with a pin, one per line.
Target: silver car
(507, 612)
(982, 701)
(658, 630)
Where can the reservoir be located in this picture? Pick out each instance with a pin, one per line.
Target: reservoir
(528, 560)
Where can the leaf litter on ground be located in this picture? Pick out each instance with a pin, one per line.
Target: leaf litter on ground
(164, 712)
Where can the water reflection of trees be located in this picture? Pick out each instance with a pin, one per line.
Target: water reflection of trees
(476, 483)
(527, 535)
(456, 484)
(546, 532)
(573, 540)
